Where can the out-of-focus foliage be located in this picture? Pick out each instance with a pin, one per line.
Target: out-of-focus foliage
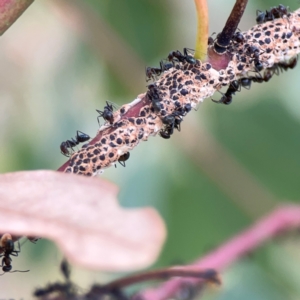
(54, 74)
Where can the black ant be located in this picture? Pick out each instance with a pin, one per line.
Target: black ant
(245, 83)
(184, 110)
(211, 40)
(80, 138)
(7, 244)
(151, 72)
(66, 289)
(185, 57)
(270, 15)
(227, 97)
(123, 158)
(254, 52)
(166, 132)
(153, 95)
(288, 65)
(171, 121)
(107, 113)
(238, 37)
(51, 288)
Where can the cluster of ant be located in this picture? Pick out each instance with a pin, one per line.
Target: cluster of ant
(254, 52)
(173, 120)
(271, 14)
(269, 47)
(235, 86)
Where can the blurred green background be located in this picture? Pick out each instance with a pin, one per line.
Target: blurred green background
(230, 164)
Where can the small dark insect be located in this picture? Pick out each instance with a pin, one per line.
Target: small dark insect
(151, 73)
(65, 289)
(260, 17)
(107, 113)
(80, 138)
(288, 65)
(254, 53)
(245, 83)
(171, 121)
(33, 239)
(188, 57)
(177, 56)
(210, 41)
(153, 95)
(238, 37)
(7, 245)
(182, 111)
(274, 13)
(166, 133)
(65, 269)
(51, 288)
(227, 97)
(123, 158)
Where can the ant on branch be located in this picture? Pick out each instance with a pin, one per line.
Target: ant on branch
(151, 72)
(153, 95)
(254, 53)
(235, 86)
(123, 158)
(171, 121)
(246, 82)
(80, 138)
(177, 56)
(8, 248)
(270, 15)
(227, 97)
(107, 113)
(65, 289)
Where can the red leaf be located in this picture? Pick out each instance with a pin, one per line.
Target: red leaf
(83, 217)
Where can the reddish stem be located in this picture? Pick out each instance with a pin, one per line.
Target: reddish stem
(10, 11)
(208, 275)
(281, 219)
(132, 112)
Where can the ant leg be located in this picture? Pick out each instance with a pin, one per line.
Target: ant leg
(122, 163)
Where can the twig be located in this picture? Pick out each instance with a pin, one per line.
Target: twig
(231, 25)
(10, 11)
(280, 220)
(208, 275)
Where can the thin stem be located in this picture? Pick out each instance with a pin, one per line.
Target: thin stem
(231, 25)
(208, 275)
(280, 220)
(202, 29)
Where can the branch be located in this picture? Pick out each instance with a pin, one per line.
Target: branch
(224, 38)
(207, 275)
(10, 11)
(280, 220)
(184, 86)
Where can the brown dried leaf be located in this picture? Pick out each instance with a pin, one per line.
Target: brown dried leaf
(83, 217)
